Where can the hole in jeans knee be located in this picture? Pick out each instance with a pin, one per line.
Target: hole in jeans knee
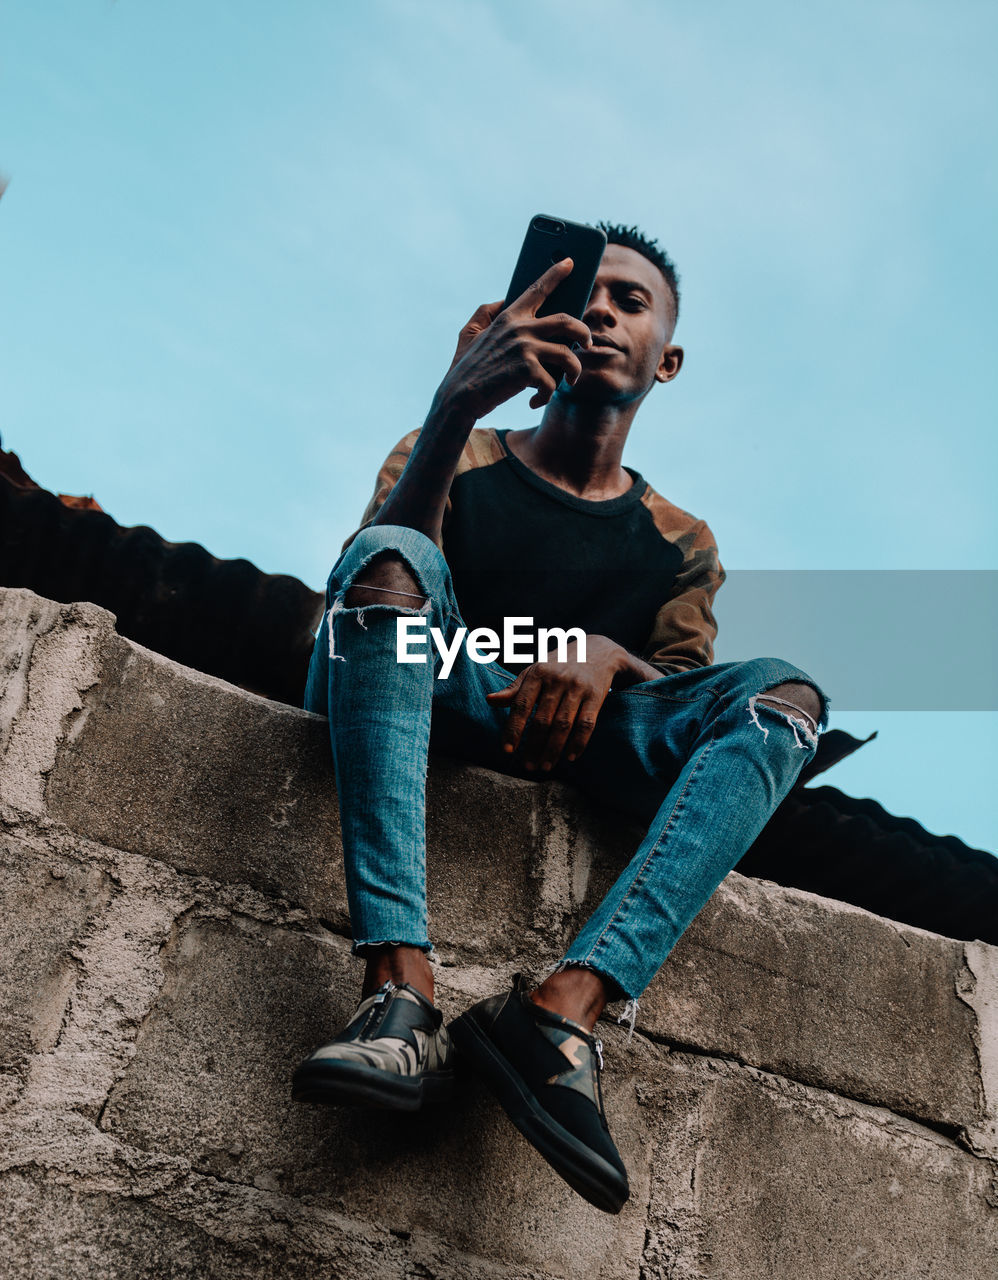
(357, 596)
(357, 612)
(398, 584)
(799, 720)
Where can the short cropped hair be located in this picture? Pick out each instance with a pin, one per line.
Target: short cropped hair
(632, 238)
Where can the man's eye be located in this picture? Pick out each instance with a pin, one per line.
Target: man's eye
(635, 303)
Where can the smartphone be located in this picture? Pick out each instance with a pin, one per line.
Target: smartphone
(547, 241)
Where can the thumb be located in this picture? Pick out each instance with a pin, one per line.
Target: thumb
(477, 325)
(488, 312)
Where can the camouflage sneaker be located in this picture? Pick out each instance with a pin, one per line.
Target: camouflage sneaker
(545, 1072)
(394, 1052)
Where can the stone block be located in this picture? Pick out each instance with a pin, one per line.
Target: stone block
(184, 768)
(50, 655)
(46, 905)
(57, 1231)
(827, 994)
(207, 1230)
(757, 1176)
(210, 1082)
(143, 755)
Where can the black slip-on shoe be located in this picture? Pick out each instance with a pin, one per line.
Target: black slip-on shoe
(545, 1072)
(394, 1052)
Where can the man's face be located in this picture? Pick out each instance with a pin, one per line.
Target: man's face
(631, 315)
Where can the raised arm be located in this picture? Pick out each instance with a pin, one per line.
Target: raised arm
(499, 353)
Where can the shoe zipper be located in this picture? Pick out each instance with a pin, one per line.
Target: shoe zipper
(379, 1008)
(598, 1050)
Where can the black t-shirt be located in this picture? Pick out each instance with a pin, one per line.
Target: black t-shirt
(520, 546)
(637, 568)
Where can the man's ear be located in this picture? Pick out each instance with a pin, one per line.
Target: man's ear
(670, 364)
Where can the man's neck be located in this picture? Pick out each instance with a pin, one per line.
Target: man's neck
(578, 447)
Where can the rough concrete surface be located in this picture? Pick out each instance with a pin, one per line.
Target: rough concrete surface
(979, 988)
(247, 798)
(45, 905)
(825, 993)
(225, 1006)
(759, 1176)
(811, 1091)
(50, 658)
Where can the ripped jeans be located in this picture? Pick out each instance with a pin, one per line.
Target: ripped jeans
(695, 756)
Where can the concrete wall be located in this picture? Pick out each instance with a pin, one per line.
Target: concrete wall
(811, 1091)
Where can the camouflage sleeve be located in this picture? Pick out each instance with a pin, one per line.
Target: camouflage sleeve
(683, 635)
(481, 449)
(388, 474)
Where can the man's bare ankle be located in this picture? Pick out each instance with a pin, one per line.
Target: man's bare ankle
(579, 994)
(401, 965)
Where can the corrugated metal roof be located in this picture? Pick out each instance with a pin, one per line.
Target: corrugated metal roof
(224, 617)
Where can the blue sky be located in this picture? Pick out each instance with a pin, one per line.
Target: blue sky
(239, 239)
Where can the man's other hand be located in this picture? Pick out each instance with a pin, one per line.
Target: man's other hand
(501, 352)
(565, 698)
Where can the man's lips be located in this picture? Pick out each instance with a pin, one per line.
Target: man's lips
(602, 344)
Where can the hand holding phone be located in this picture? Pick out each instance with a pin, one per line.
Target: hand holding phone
(504, 349)
(528, 339)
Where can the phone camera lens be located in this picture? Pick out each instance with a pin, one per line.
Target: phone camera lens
(549, 226)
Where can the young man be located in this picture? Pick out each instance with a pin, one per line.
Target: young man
(469, 526)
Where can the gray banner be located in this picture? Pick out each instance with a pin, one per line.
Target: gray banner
(891, 640)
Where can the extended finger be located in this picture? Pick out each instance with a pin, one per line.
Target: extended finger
(536, 294)
(585, 723)
(519, 712)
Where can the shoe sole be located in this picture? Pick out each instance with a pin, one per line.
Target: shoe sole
(594, 1178)
(352, 1084)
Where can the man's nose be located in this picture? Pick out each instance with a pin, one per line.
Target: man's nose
(598, 309)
